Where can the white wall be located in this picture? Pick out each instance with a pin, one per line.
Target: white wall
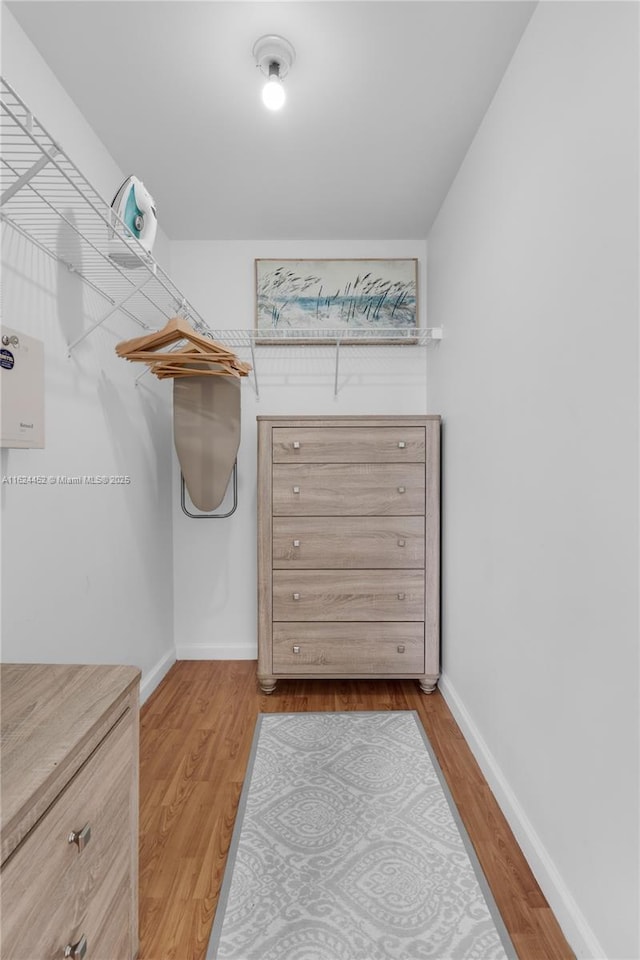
(215, 560)
(87, 570)
(533, 265)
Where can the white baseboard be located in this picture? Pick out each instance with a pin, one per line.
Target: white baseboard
(572, 921)
(152, 678)
(216, 651)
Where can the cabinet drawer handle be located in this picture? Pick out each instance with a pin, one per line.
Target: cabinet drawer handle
(76, 950)
(296, 444)
(401, 543)
(401, 596)
(296, 649)
(296, 596)
(402, 489)
(401, 444)
(401, 648)
(80, 837)
(296, 489)
(296, 543)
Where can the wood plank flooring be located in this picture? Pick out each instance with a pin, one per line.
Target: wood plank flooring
(196, 731)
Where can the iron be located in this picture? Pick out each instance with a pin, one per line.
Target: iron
(135, 207)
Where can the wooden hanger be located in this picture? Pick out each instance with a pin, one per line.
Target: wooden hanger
(189, 363)
(200, 356)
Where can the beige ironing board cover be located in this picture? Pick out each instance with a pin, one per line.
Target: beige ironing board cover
(206, 433)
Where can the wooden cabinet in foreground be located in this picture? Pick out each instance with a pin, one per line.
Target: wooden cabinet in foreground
(69, 820)
(349, 548)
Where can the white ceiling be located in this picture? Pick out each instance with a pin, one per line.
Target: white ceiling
(383, 101)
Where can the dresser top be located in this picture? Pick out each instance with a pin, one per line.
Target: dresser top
(356, 418)
(51, 717)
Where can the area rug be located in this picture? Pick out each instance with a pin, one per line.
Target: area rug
(348, 846)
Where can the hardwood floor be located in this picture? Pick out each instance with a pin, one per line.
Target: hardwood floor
(196, 731)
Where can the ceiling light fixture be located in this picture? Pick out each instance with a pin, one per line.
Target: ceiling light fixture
(274, 56)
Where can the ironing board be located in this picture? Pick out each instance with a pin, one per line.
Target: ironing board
(206, 432)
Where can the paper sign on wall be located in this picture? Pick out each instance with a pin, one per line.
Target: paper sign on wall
(22, 387)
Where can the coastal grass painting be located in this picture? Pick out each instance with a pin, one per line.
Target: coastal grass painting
(336, 298)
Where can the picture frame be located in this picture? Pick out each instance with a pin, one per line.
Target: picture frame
(308, 301)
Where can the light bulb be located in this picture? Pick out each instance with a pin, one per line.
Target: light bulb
(273, 95)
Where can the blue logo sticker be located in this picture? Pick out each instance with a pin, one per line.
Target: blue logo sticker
(6, 359)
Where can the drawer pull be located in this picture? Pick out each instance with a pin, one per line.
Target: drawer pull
(401, 648)
(296, 543)
(402, 489)
(402, 543)
(296, 649)
(401, 444)
(80, 837)
(296, 596)
(296, 489)
(296, 444)
(76, 950)
(401, 596)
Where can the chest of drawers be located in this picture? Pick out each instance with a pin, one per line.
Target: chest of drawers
(68, 882)
(348, 548)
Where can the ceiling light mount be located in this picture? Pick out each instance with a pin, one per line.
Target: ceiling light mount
(274, 56)
(274, 51)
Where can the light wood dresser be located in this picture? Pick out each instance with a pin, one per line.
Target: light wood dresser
(69, 820)
(348, 548)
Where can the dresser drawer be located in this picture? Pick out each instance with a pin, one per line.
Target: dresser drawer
(355, 542)
(348, 648)
(348, 595)
(357, 489)
(52, 891)
(349, 444)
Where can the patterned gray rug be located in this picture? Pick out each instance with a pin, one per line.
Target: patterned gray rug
(348, 846)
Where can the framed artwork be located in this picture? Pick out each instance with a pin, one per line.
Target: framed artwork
(321, 301)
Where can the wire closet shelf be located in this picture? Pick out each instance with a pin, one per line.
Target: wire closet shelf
(46, 198)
